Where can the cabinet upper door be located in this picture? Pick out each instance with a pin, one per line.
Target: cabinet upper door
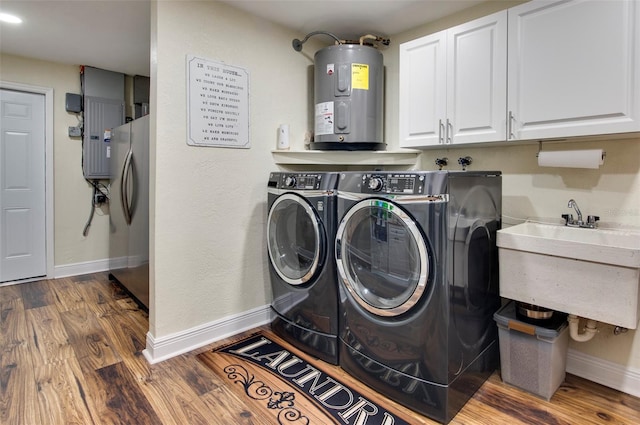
(477, 80)
(422, 98)
(574, 68)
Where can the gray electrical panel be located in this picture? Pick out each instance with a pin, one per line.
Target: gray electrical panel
(100, 116)
(103, 110)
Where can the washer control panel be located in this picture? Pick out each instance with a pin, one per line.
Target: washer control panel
(300, 181)
(401, 183)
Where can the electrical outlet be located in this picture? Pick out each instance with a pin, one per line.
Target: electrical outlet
(99, 198)
(75, 132)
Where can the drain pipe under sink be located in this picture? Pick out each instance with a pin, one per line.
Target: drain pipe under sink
(589, 331)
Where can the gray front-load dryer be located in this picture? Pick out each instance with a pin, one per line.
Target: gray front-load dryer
(301, 228)
(418, 284)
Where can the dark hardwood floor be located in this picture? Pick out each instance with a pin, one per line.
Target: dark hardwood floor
(71, 353)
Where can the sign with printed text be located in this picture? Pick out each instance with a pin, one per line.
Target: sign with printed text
(217, 104)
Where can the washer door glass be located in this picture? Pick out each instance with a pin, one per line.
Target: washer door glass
(382, 257)
(294, 239)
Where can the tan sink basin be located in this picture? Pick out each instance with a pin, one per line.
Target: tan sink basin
(592, 273)
(617, 247)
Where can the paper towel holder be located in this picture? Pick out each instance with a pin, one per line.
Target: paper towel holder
(604, 153)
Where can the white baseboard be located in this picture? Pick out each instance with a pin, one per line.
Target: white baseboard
(77, 269)
(87, 267)
(160, 349)
(609, 374)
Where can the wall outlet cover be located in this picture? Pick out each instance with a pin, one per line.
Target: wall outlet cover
(75, 132)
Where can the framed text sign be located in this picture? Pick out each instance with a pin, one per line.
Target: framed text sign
(217, 104)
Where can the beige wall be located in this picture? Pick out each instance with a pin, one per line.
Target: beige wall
(208, 252)
(72, 195)
(529, 191)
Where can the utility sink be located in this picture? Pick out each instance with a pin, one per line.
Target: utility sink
(592, 273)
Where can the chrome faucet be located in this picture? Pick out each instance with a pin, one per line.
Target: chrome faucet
(573, 204)
(569, 221)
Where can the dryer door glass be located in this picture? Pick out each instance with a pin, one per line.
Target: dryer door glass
(382, 257)
(294, 239)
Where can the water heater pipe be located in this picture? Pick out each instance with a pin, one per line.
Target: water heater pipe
(376, 38)
(589, 331)
(297, 44)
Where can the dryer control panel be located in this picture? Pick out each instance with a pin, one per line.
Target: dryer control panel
(300, 181)
(401, 183)
(303, 181)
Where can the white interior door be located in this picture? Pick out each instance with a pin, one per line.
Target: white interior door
(22, 186)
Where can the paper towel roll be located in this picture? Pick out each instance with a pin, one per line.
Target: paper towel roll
(590, 158)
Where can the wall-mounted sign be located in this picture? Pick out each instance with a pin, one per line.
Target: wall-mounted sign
(217, 104)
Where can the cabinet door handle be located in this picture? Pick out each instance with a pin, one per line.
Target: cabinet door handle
(449, 131)
(510, 126)
(440, 132)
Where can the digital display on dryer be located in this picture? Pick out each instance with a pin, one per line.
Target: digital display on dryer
(306, 182)
(400, 185)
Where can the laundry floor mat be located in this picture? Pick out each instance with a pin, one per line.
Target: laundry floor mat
(276, 381)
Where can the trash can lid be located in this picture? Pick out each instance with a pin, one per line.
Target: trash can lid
(507, 318)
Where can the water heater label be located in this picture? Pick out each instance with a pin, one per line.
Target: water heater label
(360, 76)
(324, 118)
